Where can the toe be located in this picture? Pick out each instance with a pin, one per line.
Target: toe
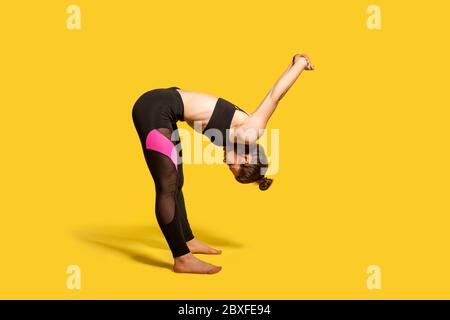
(214, 270)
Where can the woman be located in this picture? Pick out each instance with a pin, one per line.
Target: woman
(155, 115)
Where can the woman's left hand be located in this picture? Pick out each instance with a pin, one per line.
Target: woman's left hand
(304, 60)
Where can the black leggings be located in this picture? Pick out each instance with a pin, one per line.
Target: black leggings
(155, 115)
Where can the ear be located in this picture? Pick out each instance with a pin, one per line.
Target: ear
(246, 158)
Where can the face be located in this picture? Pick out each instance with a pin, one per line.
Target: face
(234, 160)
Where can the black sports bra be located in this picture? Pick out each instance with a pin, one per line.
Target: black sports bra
(220, 120)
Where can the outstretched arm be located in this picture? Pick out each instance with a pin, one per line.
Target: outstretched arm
(251, 129)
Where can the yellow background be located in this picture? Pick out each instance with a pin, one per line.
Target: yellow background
(364, 175)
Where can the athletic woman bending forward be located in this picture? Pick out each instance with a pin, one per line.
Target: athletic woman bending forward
(155, 117)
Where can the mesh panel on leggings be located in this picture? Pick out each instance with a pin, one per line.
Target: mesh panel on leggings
(165, 177)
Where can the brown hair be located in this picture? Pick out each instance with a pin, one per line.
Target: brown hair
(254, 172)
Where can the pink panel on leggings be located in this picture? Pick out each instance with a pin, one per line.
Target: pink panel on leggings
(158, 142)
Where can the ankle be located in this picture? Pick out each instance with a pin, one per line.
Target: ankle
(184, 258)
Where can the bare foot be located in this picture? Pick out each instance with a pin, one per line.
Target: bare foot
(197, 246)
(190, 264)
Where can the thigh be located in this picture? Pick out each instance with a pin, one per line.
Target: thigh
(175, 137)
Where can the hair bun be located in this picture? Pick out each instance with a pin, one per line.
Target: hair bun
(265, 183)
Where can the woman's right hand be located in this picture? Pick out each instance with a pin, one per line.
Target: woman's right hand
(304, 60)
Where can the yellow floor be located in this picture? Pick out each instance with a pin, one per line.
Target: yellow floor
(363, 172)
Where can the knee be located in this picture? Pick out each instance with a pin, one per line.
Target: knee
(167, 188)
